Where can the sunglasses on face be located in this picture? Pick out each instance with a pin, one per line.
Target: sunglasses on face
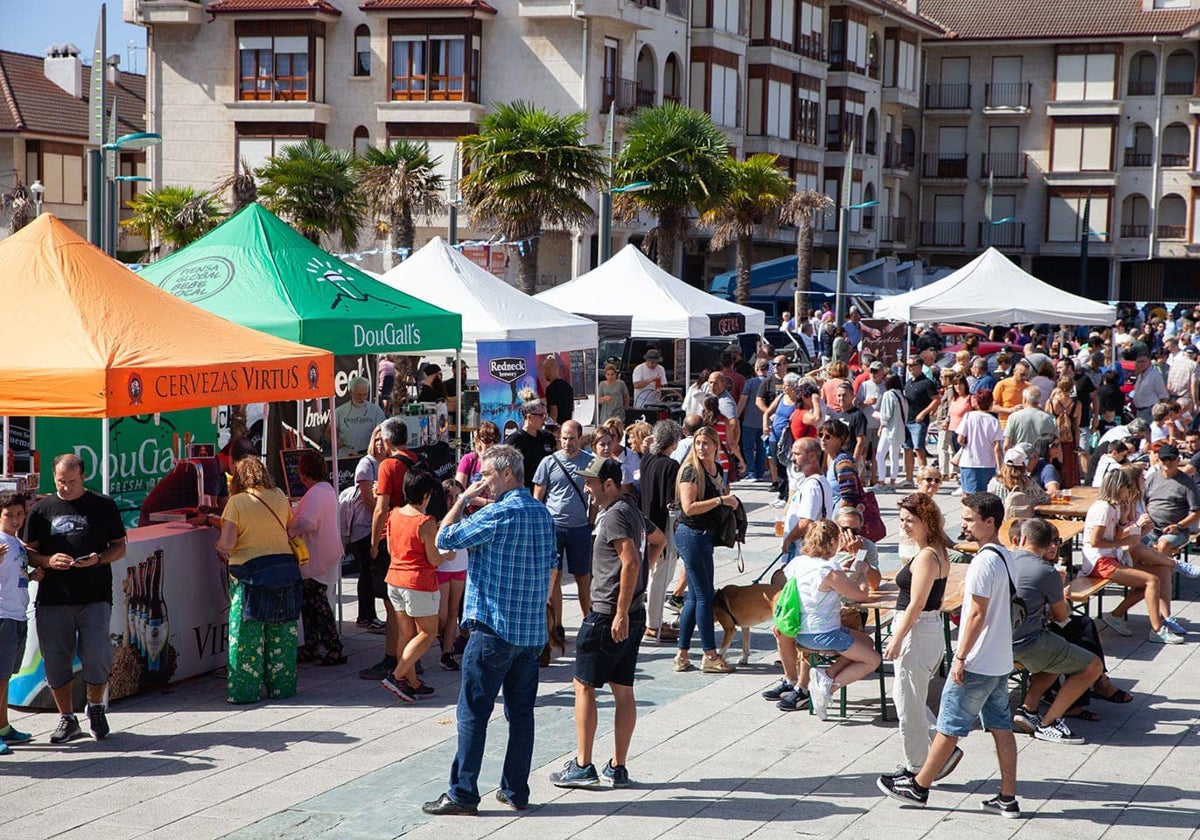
(931, 480)
(825, 436)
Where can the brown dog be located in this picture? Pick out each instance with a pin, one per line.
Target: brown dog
(558, 637)
(745, 606)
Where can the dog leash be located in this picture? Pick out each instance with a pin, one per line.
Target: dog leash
(770, 565)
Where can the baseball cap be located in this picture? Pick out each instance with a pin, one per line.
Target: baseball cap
(605, 469)
(1015, 457)
(875, 366)
(653, 355)
(1191, 350)
(1168, 452)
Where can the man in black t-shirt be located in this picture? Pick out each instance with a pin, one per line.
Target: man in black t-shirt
(75, 535)
(923, 398)
(560, 396)
(659, 470)
(532, 440)
(853, 417)
(607, 645)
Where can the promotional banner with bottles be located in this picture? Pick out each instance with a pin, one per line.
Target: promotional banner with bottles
(505, 369)
(141, 451)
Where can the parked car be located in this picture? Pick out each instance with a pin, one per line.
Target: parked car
(988, 349)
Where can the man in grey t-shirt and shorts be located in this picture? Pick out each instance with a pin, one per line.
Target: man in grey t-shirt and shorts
(607, 645)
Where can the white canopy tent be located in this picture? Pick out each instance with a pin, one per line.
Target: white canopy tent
(491, 309)
(992, 289)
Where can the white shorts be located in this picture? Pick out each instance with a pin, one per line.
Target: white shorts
(415, 603)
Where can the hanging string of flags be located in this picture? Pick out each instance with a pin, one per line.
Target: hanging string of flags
(403, 253)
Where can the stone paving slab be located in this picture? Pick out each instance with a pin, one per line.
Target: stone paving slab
(343, 760)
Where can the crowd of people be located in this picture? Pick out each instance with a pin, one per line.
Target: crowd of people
(476, 563)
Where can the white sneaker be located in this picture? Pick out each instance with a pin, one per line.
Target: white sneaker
(1120, 626)
(821, 690)
(778, 503)
(1164, 636)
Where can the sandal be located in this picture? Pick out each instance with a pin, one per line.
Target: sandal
(1120, 695)
(1082, 714)
(333, 657)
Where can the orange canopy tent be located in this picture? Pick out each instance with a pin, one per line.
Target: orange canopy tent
(86, 337)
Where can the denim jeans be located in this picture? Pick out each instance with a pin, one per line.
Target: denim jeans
(488, 664)
(696, 550)
(754, 452)
(975, 479)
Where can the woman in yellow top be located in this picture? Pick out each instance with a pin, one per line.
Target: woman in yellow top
(255, 527)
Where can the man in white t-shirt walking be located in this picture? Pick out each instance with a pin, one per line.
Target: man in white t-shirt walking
(811, 501)
(978, 683)
(648, 379)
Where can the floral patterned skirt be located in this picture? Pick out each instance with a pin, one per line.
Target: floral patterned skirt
(258, 653)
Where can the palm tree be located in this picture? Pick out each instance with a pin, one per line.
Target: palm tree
(20, 206)
(803, 210)
(756, 192)
(241, 185)
(398, 183)
(680, 154)
(174, 216)
(529, 168)
(309, 185)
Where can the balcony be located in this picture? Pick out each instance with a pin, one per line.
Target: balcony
(955, 97)
(942, 234)
(810, 46)
(1004, 236)
(1084, 108)
(1172, 231)
(1142, 89)
(896, 157)
(626, 94)
(432, 112)
(1135, 231)
(893, 229)
(1176, 160)
(165, 12)
(839, 63)
(1004, 165)
(1178, 88)
(939, 165)
(1133, 158)
(1007, 97)
(280, 111)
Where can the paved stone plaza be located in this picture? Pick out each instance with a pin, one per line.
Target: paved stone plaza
(344, 760)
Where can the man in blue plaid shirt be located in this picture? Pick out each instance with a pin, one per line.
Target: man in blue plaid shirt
(513, 549)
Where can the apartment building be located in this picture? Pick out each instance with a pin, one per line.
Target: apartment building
(1072, 108)
(799, 78)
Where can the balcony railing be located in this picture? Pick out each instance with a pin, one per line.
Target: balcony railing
(672, 97)
(947, 97)
(1004, 165)
(893, 229)
(1175, 160)
(938, 165)
(627, 94)
(1142, 88)
(1135, 231)
(810, 46)
(871, 145)
(1006, 235)
(1172, 231)
(946, 234)
(1177, 88)
(895, 156)
(1133, 158)
(1007, 94)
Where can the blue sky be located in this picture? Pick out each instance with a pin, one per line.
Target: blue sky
(29, 26)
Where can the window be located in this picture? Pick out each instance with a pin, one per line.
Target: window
(1082, 148)
(1086, 76)
(900, 59)
(844, 113)
(1065, 216)
(848, 40)
(257, 142)
(1143, 74)
(1004, 157)
(724, 96)
(808, 110)
(362, 140)
(808, 37)
(436, 60)
(725, 15)
(281, 61)
(362, 50)
(806, 175)
(59, 166)
(1006, 90)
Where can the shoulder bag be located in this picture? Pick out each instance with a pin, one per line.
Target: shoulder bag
(1018, 609)
(297, 544)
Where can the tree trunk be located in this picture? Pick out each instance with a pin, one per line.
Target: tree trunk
(804, 251)
(527, 266)
(742, 294)
(406, 231)
(670, 224)
(390, 244)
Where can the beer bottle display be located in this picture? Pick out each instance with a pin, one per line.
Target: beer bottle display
(156, 613)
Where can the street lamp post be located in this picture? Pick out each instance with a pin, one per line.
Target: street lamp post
(108, 209)
(38, 189)
(992, 225)
(843, 269)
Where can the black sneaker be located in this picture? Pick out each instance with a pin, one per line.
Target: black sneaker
(1009, 809)
(776, 692)
(377, 671)
(449, 663)
(794, 701)
(904, 789)
(574, 776)
(900, 772)
(423, 689)
(1026, 721)
(98, 722)
(503, 799)
(444, 806)
(1058, 733)
(675, 603)
(616, 775)
(399, 688)
(67, 729)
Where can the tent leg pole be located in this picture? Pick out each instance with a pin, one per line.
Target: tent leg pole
(7, 471)
(687, 365)
(105, 475)
(458, 401)
(333, 446)
(907, 343)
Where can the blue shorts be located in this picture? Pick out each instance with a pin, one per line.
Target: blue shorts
(599, 659)
(915, 434)
(1176, 540)
(838, 640)
(574, 549)
(13, 634)
(980, 696)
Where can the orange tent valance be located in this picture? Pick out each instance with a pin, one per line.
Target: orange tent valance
(86, 337)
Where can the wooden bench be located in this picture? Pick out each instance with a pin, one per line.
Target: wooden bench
(1080, 590)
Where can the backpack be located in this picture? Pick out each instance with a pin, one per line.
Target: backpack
(787, 609)
(438, 507)
(1018, 609)
(1018, 505)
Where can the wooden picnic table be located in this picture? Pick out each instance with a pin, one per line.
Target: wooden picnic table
(1077, 508)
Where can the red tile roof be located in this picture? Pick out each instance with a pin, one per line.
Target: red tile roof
(272, 6)
(30, 102)
(427, 5)
(1029, 19)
